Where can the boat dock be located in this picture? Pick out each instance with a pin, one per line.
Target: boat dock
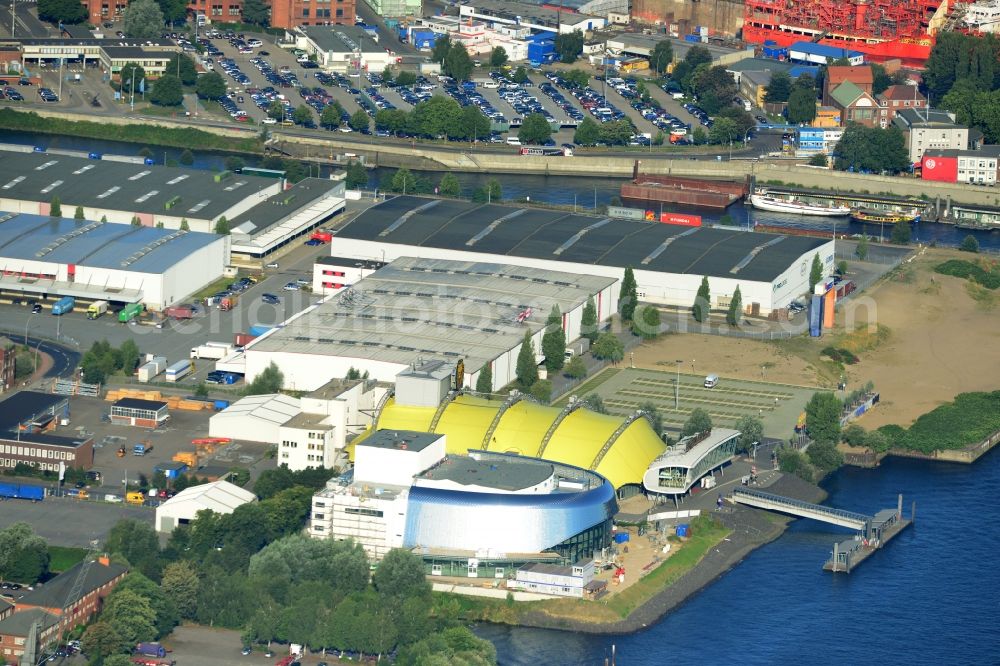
(873, 531)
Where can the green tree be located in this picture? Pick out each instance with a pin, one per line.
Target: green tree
(969, 244)
(357, 175)
(751, 432)
(24, 556)
(871, 150)
(182, 66)
(862, 248)
(877, 441)
(442, 46)
(801, 105)
(457, 64)
(526, 370)
(166, 614)
(853, 435)
(136, 221)
(276, 110)
(401, 574)
(702, 301)
(588, 320)
(541, 391)
(662, 56)
(117, 660)
(391, 120)
(824, 456)
(498, 57)
(823, 417)
(449, 185)
(62, 11)
(491, 192)
(184, 225)
(387, 75)
(101, 640)
(303, 114)
(587, 133)
(535, 129)
(174, 11)
(270, 380)
(257, 12)
(130, 74)
(654, 416)
(815, 272)
(520, 74)
(880, 78)
(55, 207)
(779, 88)
(403, 181)
(628, 295)
(699, 136)
(957, 56)
(359, 121)
(608, 348)
(210, 86)
(554, 341)
(457, 645)
(646, 323)
(819, 160)
(900, 233)
(330, 117)
(569, 46)
(406, 78)
(735, 313)
(186, 158)
(715, 88)
(201, 391)
(167, 90)
(222, 226)
(484, 382)
(131, 616)
(698, 421)
(129, 357)
(576, 368)
(723, 131)
(136, 542)
(143, 20)
(791, 461)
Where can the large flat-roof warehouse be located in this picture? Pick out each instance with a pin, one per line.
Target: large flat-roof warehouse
(669, 261)
(414, 308)
(105, 261)
(120, 190)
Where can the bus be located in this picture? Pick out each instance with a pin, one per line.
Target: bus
(546, 152)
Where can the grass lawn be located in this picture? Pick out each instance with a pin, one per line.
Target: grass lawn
(215, 287)
(62, 558)
(163, 111)
(588, 386)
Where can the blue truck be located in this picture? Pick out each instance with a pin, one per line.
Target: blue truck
(63, 305)
(22, 491)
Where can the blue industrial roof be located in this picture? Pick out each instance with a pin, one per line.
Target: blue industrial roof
(97, 244)
(824, 50)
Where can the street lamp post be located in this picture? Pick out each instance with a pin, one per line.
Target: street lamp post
(26, 328)
(677, 385)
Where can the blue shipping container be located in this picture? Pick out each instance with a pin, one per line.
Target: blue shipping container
(220, 404)
(621, 537)
(257, 331)
(682, 530)
(22, 491)
(816, 316)
(692, 38)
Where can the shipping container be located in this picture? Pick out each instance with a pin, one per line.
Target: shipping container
(242, 339)
(63, 305)
(681, 219)
(683, 530)
(259, 330)
(178, 370)
(816, 316)
(130, 312)
(220, 405)
(22, 491)
(621, 537)
(829, 301)
(179, 311)
(212, 350)
(151, 369)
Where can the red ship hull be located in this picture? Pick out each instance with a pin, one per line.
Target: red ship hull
(913, 51)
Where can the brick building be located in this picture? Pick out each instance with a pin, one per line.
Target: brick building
(50, 606)
(896, 98)
(45, 452)
(284, 13)
(861, 76)
(141, 413)
(855, 104)
(7, 354)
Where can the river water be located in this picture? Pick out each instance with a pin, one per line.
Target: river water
(586, 193)
(929, 597)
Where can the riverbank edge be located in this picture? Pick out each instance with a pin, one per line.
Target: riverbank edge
(734, 548)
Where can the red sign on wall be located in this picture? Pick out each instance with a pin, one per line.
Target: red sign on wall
(681, 219)
(944, 169)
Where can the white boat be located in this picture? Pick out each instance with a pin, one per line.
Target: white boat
(775, 205)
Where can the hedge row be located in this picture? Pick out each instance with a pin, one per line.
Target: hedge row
(841, 355)
(970, 271)
(969, 419)
(181, 137)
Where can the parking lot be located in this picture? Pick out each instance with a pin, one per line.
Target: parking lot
(778, 405)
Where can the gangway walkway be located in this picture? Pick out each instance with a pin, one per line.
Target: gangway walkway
(826, 514)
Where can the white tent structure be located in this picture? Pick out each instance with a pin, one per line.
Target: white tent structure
(218, 496)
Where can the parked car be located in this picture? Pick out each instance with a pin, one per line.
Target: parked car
(270, 299)
(291, 286)
(273, 264)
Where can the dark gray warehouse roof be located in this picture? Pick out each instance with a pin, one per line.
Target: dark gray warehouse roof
(136, 188)
(97, 244)
(562, 236)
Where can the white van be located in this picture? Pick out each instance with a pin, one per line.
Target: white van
(711, 381)
(513, 141)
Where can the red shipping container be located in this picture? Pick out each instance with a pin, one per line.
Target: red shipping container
(681, 219)
(944, 169)
(324, 236)
(242, 339)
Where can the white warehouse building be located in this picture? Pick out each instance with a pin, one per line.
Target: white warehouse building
(50, 257)
(219, 497)
(415, 309)
(669, 261)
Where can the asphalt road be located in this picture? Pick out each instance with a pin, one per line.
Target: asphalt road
(26, 25)
(70, 522)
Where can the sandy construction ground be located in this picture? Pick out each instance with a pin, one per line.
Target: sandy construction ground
(939, 337)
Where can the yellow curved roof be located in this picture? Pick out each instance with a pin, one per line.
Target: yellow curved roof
(577, 441)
